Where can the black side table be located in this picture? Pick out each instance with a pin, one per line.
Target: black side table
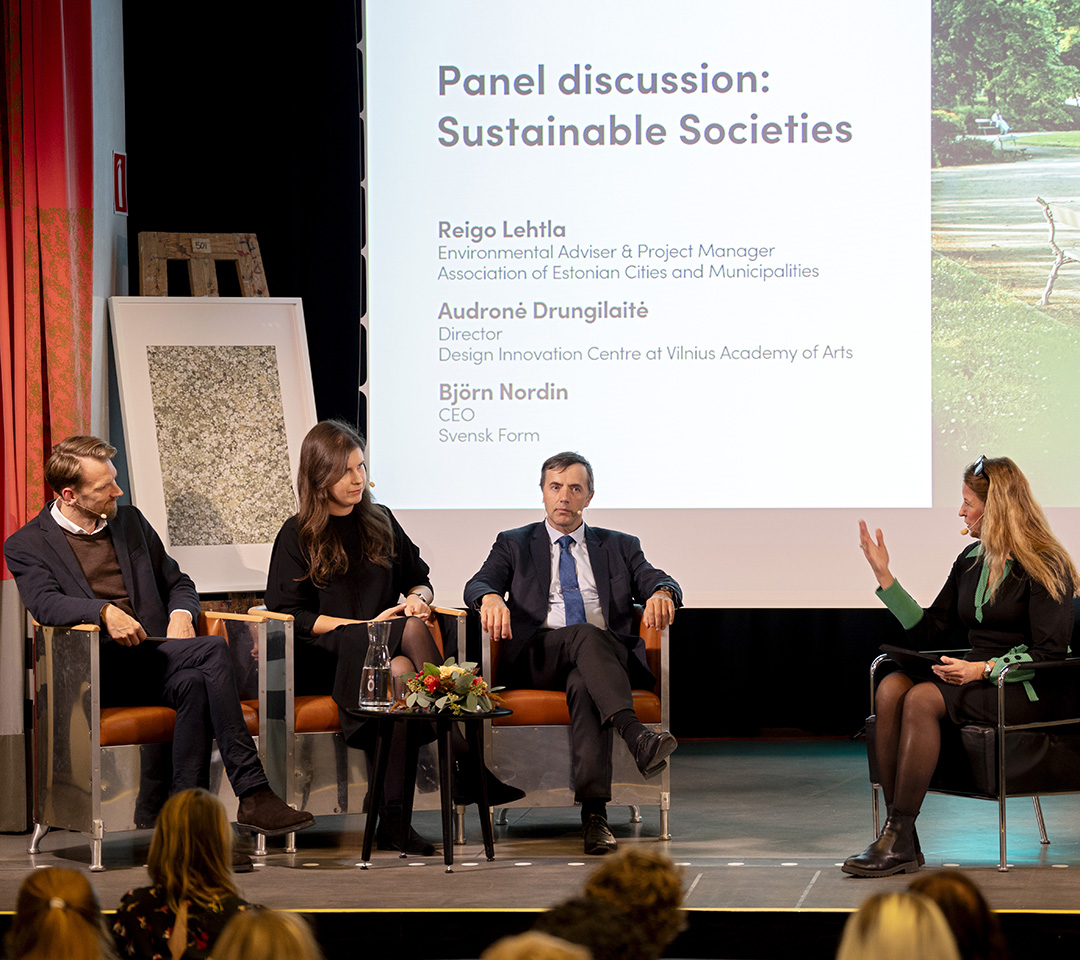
(474, 734)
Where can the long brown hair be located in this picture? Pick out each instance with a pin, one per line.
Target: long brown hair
(324, 456)
(191, 853)
(1013, 524)
(57, 917)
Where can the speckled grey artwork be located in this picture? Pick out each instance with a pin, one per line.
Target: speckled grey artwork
(221, 439)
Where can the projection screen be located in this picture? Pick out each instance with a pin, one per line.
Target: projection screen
(694, 242)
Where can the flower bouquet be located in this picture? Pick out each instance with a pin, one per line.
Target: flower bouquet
(452, 688)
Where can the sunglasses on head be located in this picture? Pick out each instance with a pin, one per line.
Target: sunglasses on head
(978, 469)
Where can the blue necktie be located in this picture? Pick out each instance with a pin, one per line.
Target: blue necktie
(571, 592)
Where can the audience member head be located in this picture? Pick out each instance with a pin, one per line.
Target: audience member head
(324, 460)
(647, 887)
(534, 946)
(897, 926)
(191, 853)
(606, 930)
(974, 925)
(267, 935)
(57, 917)
(64, 466)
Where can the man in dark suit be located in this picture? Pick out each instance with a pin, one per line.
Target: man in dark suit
(567, 624)
(84, 559)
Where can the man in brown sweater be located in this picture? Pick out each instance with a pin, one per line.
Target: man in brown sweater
(84, 559)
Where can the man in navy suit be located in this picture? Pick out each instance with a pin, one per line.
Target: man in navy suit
(566, 623)
(84, 559)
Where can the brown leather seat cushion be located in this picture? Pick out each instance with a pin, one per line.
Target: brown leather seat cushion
(316, 714)
(538, 707)
(123, 725)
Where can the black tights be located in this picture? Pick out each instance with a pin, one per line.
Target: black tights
(907, 739)
(417, 648)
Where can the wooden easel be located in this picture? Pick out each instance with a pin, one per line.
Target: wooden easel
(200, 250)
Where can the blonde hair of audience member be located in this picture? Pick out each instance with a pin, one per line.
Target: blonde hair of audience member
(647, 887)
(898, 926)
(533, 946)
(57, 917)
(975, 926)
(191, 853)
(267, 935)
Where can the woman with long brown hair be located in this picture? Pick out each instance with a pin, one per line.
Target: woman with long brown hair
(1011, 593)
(341, 561)
(193, 895)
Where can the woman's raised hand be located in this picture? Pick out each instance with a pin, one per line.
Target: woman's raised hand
(876, 555)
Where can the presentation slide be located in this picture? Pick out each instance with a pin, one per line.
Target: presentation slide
(690, 241)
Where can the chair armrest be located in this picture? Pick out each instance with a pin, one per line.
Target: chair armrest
(90, 627)
(269, 614)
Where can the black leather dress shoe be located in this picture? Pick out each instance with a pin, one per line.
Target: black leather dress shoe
(598, 838)
(892, 852)
(652, 751)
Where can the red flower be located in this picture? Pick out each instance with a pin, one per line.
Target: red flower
(431, 683)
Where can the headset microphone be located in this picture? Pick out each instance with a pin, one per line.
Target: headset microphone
(92, 513)
(964, 532)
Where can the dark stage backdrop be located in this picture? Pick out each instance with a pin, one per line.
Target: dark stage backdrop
(238, 122)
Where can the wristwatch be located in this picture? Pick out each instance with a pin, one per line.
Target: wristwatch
(988, 669)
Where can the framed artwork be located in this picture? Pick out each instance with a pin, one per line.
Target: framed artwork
(216, 395)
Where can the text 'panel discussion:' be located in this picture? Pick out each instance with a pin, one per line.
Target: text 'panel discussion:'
(488, 479)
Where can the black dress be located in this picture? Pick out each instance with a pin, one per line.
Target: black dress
(1021, 612)
(332, 662)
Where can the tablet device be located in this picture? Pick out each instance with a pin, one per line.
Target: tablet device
(912, 661)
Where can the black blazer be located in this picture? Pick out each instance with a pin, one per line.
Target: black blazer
(54, 589)
(520, 562)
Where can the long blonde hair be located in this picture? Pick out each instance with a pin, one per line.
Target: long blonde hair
(267, 935)
(1014, 525)
(898, 926)
(57, 917)
(191, 853)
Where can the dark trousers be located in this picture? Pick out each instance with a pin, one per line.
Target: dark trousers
(194, 676)
(590, 664)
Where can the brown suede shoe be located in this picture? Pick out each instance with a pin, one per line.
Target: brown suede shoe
(265, 812)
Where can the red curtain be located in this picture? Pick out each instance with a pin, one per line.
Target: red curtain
(46, 250)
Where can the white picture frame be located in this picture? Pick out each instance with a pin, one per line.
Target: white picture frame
(216, 395)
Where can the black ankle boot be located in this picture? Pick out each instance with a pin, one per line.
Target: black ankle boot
(467, 784)
(914, 835)
(388, 834)
(892, 852)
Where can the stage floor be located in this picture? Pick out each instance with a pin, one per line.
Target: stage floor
(757, 826)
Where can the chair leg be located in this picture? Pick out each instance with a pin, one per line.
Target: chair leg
(502, 817)
(290, 843)
(1043, 838)
(875, 809)
(635, 813)
(1003, 865)
(260, 844)
(459, 825)
(35, 841)
(96, 865)
(665, 833)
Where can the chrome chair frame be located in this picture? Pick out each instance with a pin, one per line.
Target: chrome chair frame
(1002, 729)
(317, 770)
(82, 786)
(537, 759)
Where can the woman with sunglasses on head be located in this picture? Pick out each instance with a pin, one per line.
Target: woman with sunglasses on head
(1008, 596)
